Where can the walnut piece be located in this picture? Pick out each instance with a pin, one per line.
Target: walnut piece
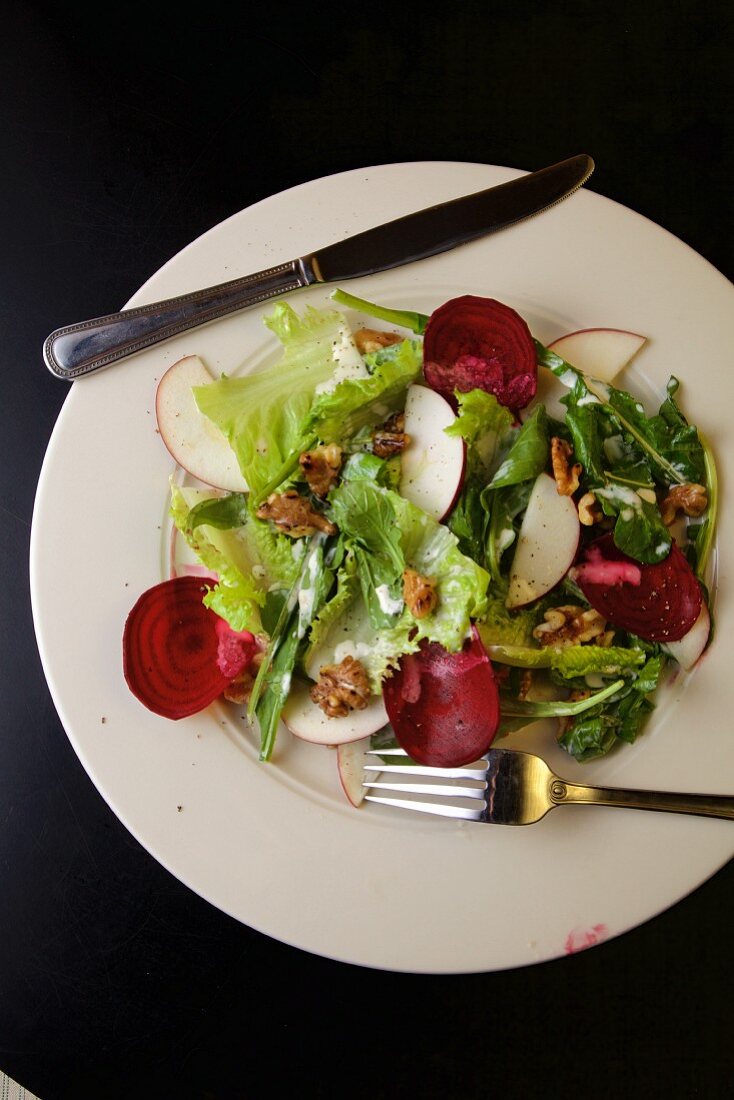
(569, 625)
(419, 593)
(589, 510)
(341, 688)
(369, 340)
(294, 515)
(567, 479)
(321, 467)
(389, 438)
(690, 498)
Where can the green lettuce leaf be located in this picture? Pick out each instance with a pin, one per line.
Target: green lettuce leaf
(528, 455)
(249, 559)
(356, 403)
(571, 661)
(485, 426)
(263, 414)
(500, 627)
(432, 550)
(383, 525)
(619, 719)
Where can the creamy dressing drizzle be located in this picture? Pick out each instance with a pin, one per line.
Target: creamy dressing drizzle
(389, 604)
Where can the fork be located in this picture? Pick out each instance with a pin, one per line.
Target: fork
(518, 788)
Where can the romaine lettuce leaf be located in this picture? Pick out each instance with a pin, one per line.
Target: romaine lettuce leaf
(571, 661)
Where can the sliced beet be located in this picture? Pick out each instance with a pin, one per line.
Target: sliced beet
(174, 649)
(444, 707)
(661, 606)
(474, 343)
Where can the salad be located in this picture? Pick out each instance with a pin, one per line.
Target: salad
(396, 540)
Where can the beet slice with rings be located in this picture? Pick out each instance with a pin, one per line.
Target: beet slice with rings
(444, 707)
(473, 343)
(178, 656)
(661, 606)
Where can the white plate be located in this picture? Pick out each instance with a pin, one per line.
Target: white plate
(276, 845)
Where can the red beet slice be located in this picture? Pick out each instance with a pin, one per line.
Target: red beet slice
(444, 707)
(474, 343)
(661, 607)
(177, 655)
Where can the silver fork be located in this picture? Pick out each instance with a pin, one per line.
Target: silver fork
(518, 788)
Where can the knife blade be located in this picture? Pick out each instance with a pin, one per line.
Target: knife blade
(77, 350)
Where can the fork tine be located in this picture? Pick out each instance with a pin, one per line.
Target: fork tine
(386, 752)
(429, 789)
(431, 773)
(461, 812)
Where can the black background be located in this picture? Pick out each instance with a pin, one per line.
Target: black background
(124, 135)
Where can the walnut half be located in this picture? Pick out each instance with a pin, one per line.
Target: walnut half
(569, 625)
(293, 514)
(390, 438)
(321, 467)
(567, 478)
(419, 593)
(341, 688)
(690, 498)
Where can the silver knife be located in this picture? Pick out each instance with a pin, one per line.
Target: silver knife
(76, 350)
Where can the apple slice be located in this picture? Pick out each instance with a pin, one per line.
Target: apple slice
(194, 442)
(351, 758)
(599, 352)
(308, 722)
(432, 464)
(689, 648)
(546, 545)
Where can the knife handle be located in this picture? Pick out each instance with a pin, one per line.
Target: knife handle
(76, 350)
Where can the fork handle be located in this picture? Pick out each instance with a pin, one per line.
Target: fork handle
(705, 805)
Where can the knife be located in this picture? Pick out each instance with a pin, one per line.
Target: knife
(76, 350)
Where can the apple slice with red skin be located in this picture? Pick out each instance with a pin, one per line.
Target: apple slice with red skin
(351, 758)
(599, 352)
(432, 464)
(193, 441)
(444, 707)
(307, 721)
(178, 656)
(546, 545)
(659, 602)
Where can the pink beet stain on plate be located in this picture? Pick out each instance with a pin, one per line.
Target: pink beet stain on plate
(578, 939)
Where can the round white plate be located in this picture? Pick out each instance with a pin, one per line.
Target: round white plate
(276, 845)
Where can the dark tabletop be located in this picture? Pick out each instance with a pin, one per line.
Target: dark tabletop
(119, 145)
